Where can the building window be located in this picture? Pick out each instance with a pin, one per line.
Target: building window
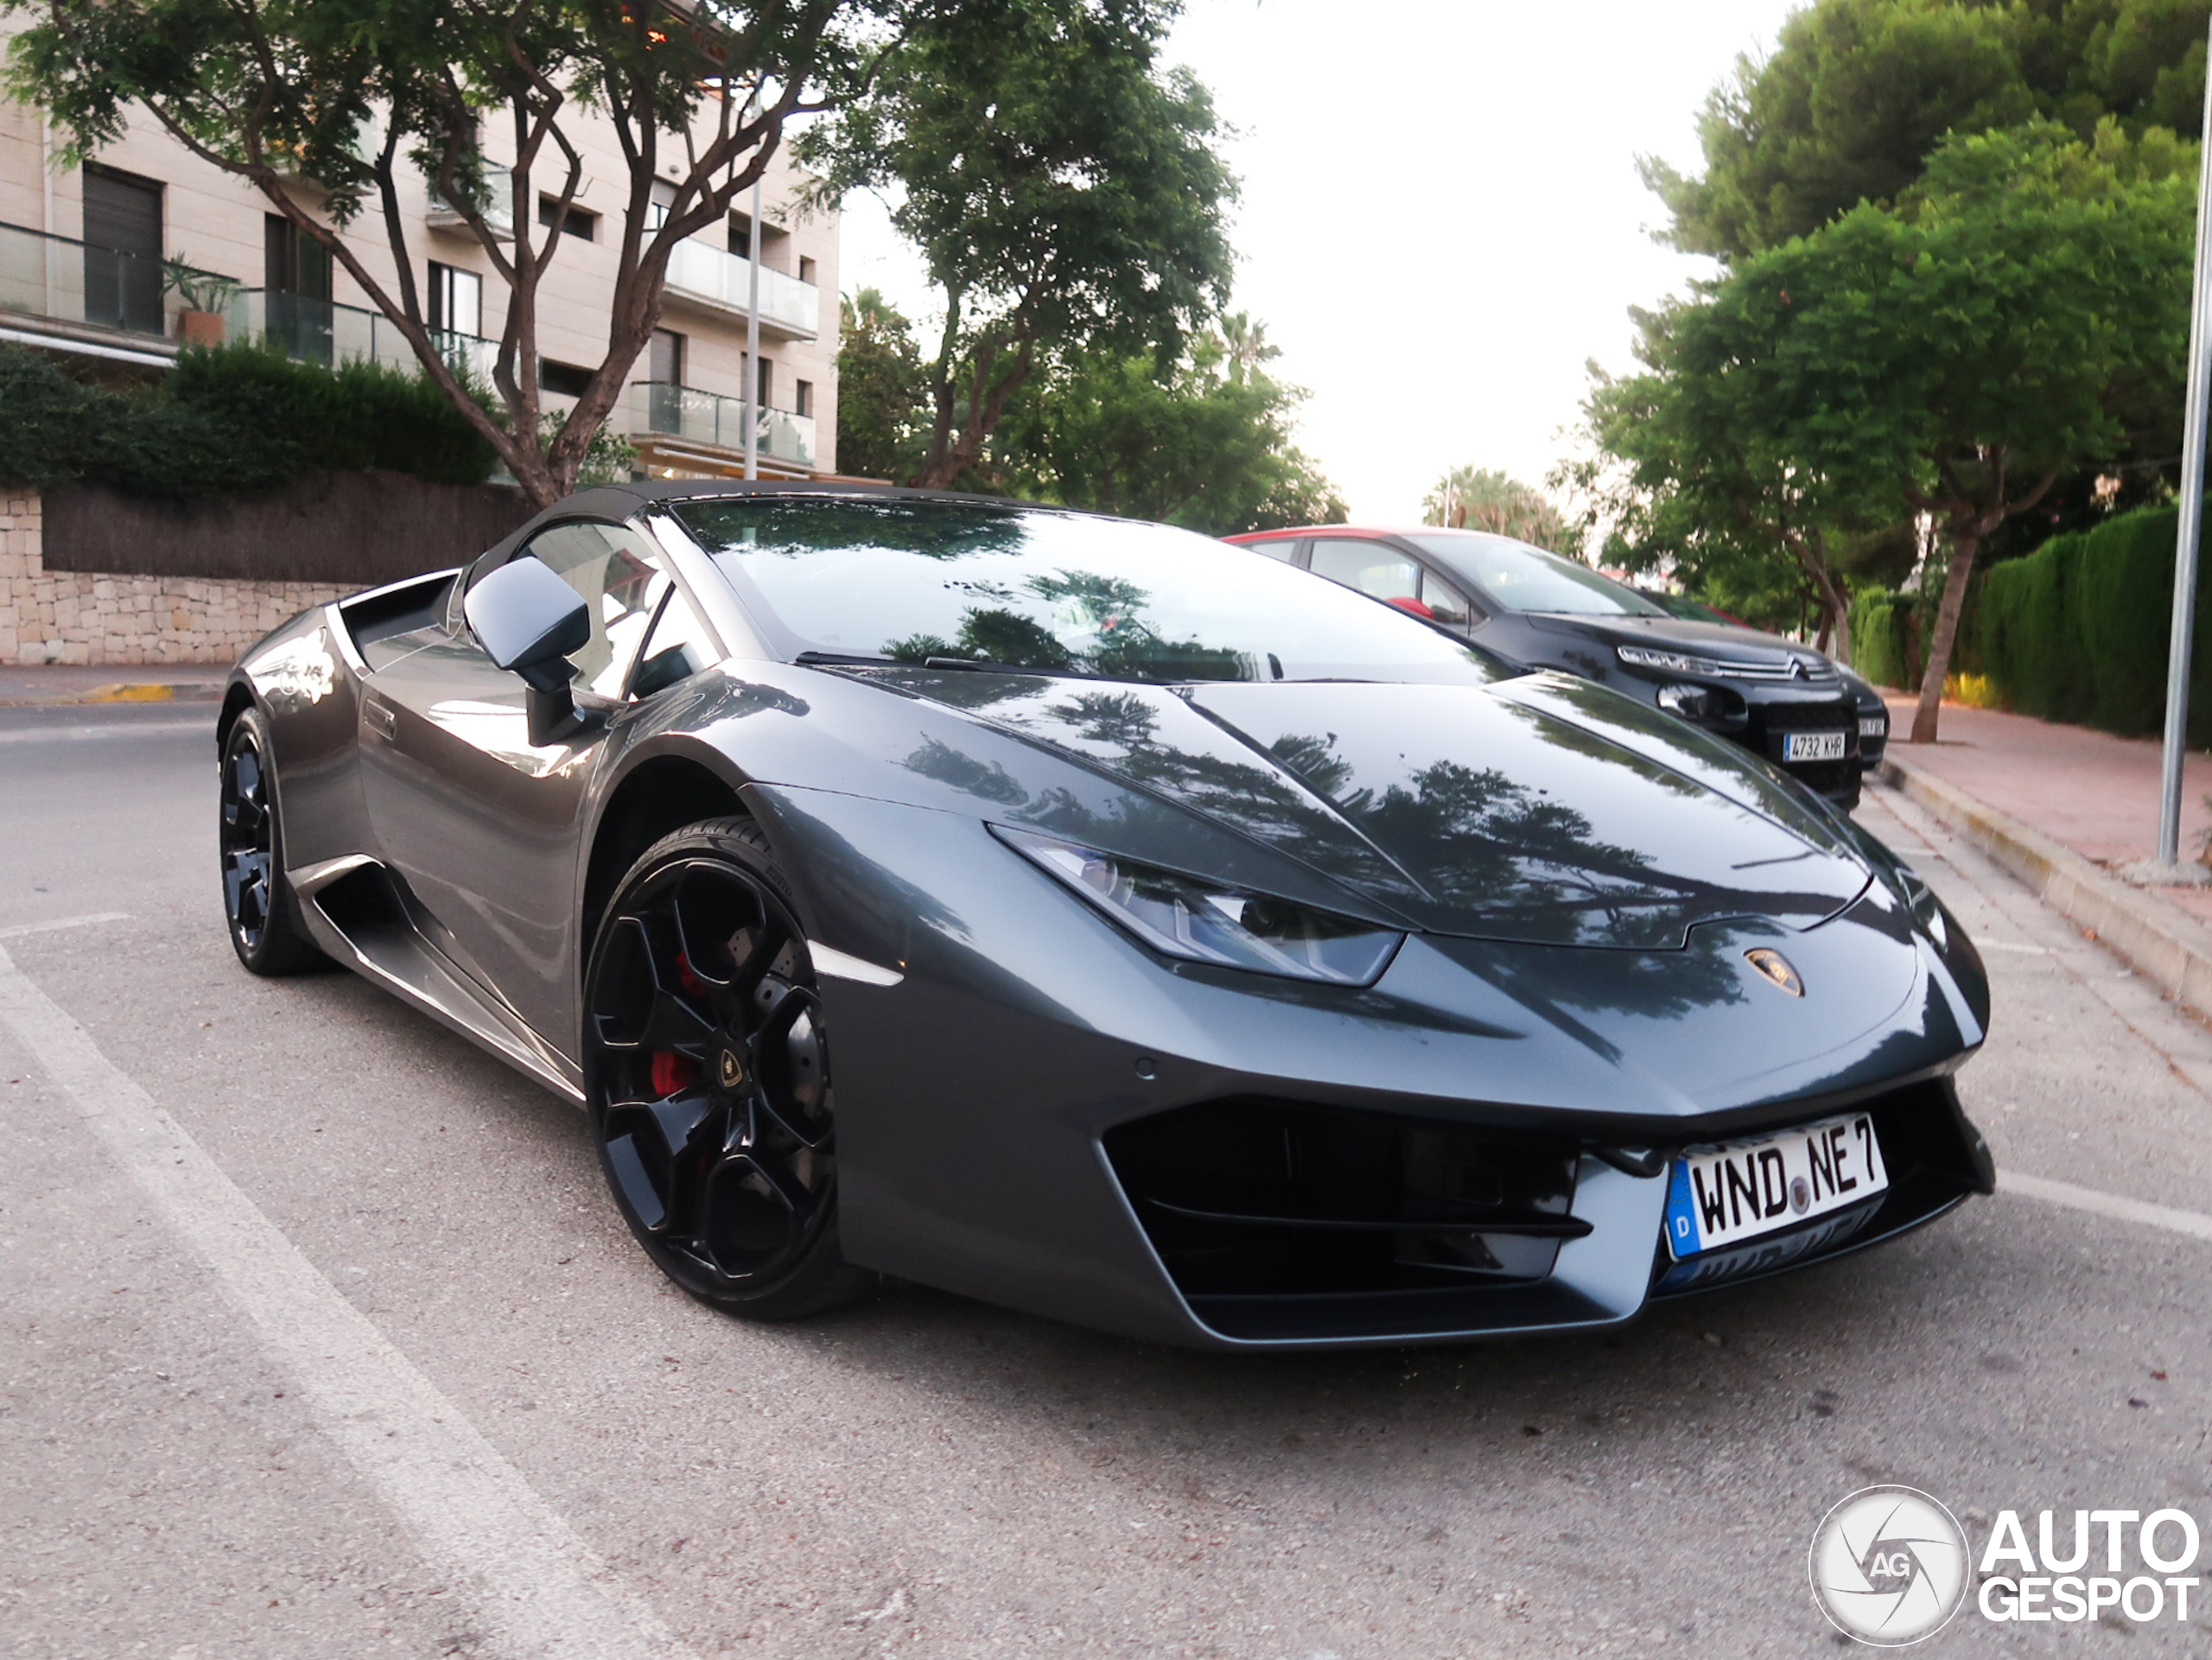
(296, 276)
(123, 250)
(292, 262)
(766, 392)
(664, 357)
(456, 300)
(806, 269)
(569, 379)
(802, 397)
(581, 221)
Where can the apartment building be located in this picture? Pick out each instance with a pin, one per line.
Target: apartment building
(81, 274)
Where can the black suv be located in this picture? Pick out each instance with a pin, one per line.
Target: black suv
(1781, 700)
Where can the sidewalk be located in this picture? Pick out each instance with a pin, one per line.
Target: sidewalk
(25, 686)
(2064, 808)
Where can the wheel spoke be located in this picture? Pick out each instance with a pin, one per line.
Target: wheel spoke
(714, 909)
(750, 1218)
(639, 1003)
(656, 1146)
(791, 1063)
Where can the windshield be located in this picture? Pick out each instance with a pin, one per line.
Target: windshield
(913, 581)
(1521, 578)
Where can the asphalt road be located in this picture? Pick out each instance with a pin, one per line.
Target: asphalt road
(308, 1312)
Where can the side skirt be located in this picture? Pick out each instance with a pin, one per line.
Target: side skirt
(355, 913)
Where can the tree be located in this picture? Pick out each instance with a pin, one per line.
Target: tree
(1475, 498)
(1066, 196)
(348, 93)
(882, 390)
(1950, 357)
(1859, 93)
(1203, 443)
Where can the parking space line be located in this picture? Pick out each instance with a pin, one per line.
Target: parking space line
(2194, 1224)
(16, 931)
(471, 1512)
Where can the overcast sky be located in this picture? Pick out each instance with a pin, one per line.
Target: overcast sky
(1441, 220)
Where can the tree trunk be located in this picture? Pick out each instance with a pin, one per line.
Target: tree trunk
(1966, 539)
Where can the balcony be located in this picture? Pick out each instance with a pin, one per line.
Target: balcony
(660, 408)
(705, 276)
(499, 206)
(87, 291)
(324, 332)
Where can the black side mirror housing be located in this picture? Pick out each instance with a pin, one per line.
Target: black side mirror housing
(529, 620)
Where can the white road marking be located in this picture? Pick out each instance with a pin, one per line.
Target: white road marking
(543, 1591)
(18, 930)
(122, 729)
(2194, 1224)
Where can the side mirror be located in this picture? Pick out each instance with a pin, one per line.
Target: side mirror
(527, 620)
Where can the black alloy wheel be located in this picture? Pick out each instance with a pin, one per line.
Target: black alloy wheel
(707, 1069)
(262, 911)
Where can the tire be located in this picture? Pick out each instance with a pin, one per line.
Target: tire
(262, 911)
(706, 1073)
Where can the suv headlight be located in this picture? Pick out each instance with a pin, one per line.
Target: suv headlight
(1203, 921)
(1645, 657)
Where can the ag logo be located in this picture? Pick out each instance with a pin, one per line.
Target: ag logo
(1889, 1566)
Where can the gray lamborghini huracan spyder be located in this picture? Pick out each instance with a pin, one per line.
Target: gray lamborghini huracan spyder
(1090, 917)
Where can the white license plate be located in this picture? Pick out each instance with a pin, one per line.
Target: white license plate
(1813, 746)
(1722, 1195)
(1874, 726)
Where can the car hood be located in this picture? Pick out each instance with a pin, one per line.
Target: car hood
(1535, 810)
(1721, 640)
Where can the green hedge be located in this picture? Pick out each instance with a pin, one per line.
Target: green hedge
(228, 420)
(1880, 646)
(2077, 630)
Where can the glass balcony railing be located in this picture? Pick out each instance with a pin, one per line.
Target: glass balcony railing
(498, 205)
(699, 271)
(77, 281)
(323, 331)
(659, 406)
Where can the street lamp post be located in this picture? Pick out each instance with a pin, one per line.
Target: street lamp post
(2192, 510)
(752, 340)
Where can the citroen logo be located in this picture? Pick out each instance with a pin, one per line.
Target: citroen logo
(1775, 967)
(730, 1069)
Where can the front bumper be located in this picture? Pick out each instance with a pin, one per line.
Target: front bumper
(991, 1105)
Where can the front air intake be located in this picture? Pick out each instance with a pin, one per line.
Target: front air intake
(1253, 1200)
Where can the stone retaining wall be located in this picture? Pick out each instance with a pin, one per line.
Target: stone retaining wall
(92, 617)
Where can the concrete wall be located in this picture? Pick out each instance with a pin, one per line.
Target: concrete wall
(91, 617)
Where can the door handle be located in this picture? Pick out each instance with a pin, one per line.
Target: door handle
(378, 716)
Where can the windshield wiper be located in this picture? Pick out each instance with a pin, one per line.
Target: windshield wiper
(985, 666)
(843, 659)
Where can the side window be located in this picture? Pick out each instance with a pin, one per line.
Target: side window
(1444, 602)
(618, 573)
(1284, 548)
(678, 647)
(1373, 568)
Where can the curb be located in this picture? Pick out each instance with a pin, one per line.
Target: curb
(2166, 945)
(127, 692)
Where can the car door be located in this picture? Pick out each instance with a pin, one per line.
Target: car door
(481, 824)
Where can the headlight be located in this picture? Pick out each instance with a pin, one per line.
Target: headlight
(1643, 657)
(1208, 922)
(1690, 702)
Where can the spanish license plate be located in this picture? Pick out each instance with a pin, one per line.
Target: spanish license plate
(1724, 1195)
(1813, 746)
